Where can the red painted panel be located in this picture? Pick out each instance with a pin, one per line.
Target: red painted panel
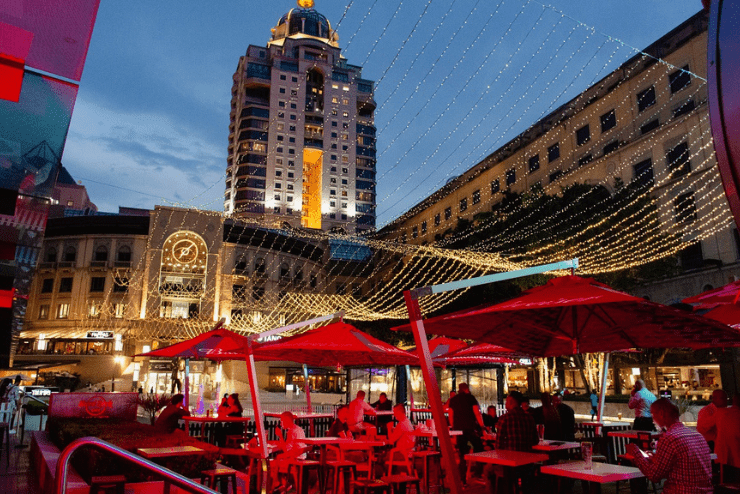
(14, 45)
(93, 405)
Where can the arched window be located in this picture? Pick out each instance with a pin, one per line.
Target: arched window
(51, 254)
(101, 253)
(284, 272)
(259, 266)
(70, 254)
(124, 254)
(298, 277)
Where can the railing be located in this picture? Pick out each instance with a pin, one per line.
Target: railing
(168, 476)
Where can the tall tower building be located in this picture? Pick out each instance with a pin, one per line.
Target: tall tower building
(302, 134)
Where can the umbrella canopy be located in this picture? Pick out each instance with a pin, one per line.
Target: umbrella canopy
(727, 294)
(217, 344)
(726, 314)
(335, 344)
(481, 353)
(572, 315)
(442, 345)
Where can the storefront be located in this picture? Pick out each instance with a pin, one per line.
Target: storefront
(321, 380)
(94, 343)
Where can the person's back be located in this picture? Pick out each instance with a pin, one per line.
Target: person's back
(516, 429)
(727, 442)
(463, 414)
(169, 417)
(567, 418)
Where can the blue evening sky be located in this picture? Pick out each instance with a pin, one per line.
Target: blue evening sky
(456, 79)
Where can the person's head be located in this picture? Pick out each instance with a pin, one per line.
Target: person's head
(557, 399)
(639, 384)
(383, 398)
(525, 403)
(664, 413)
(226, 395)
(491, 410)
(177, 399)
(719, 398)
(360, 395)
(513, 400)
(453, 393)
(399, 412)
(463, 388)
(546, 399)
(17, 380)
(287, 419)
(342, 414)
(234, 401)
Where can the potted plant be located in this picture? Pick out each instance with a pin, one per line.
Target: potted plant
(153, 403)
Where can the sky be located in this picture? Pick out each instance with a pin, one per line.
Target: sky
(455, 80)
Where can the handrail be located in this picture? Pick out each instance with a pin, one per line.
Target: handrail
(60, 481)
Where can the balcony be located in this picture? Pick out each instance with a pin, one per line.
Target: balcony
(98, 265)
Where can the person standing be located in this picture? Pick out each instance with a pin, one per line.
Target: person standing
(727, 442)
(594, 403)
(567, 417)
(641, 401)
(357, 410)
(466, 417)
(548, 415)
(682, 456)
(15, 397)
(706, 421)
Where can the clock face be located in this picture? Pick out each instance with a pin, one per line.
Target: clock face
(185, 251)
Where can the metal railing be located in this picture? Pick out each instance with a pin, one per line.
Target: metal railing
(168, 476)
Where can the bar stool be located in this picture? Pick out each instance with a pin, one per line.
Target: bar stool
(257, 470)
(106, 483)
(398, 457)
(427, 459)
(303, 469)
(370, 486)
(399, 483)
(340, 469)
(209, 478)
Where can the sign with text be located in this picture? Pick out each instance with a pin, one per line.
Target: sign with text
(93, 405)
(100, 335)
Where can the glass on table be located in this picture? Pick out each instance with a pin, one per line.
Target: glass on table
(587, 450)
(541, 432)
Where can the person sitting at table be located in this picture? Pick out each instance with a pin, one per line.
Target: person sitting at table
(525, 404)
(340, 427)
(289, 435)
(682, 456)
(172, 413)
(383, 405)
(401, 436)
(233, 408)
(567, 417)
(548, 415)
(490, 418)
(357, 410)
(516, 429)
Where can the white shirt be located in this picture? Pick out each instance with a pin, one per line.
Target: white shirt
(641, 401)
(357, 409)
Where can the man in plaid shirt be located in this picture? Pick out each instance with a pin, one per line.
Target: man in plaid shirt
(516, 429)
(682, 456)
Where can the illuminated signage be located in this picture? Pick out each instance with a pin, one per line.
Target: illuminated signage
(100, 335)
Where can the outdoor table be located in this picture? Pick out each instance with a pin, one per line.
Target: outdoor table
(635, 435)
(206, 419)
(322, 443)
(432, 433)
(168, 452)
(303, 416)
(600, 473)
(549, 446)
(505, 458)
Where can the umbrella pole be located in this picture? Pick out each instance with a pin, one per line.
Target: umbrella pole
(433, 396)
(256, 405)
(307, 390)
(602, 390)
(187, 382)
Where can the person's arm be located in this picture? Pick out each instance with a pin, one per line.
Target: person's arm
(478, 416)
(706, 421)
(635, 400)
(656, 467)
(370, 410)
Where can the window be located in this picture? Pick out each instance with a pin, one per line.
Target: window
(679, 79)
(685, 108)
(608, 121)
(424, 227)
(510, 176)
(495, 186)
(120, 285)
(284, 272)
(415, 232)
(611, 147)
(93, 309)
(47, 285)
(97, 284)
(70, 254)
(101, 254)
(44, 311)
(685, 208)
(584, 160)
(476, 196)
(678, 160)
(282, 90)
(65, 285)
(448, 213)
(534, 163)
(258, 292)
(553, 152)
(692, 257)
(643, 173)
(650, 126)
(437, 219)
(282, 77)
(463, 204)
(119, 310)
(62, 311)
(332, 203)
(646, 98)
(259, 266)
(554, 176)
(583, 135)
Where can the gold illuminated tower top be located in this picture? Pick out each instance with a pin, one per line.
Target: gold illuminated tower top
(305, 4)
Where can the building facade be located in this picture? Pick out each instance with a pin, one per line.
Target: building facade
(301, 133)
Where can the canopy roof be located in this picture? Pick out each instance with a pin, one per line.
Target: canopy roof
(481, 353)
(571, 315)
(217, 344)
(727, 294)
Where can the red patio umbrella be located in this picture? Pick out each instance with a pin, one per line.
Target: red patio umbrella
(726, 314)
(217, 344)
(336, 344)
(571, 315)
(441, 345)
(481, 353)
(727, 294)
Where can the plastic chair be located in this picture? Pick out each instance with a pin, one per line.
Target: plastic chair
(209, 478)
(399, 457)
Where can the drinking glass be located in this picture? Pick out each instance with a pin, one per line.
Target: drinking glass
(587, 450)
(541, 432)
(619, 415)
